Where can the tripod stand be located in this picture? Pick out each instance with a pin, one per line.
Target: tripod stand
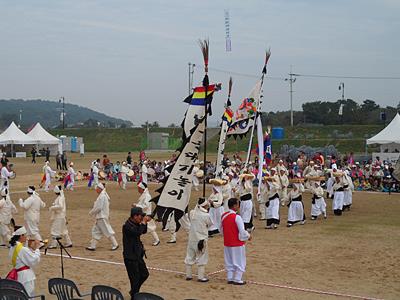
(62, 248)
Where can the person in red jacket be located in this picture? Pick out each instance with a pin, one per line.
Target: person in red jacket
(232, 228)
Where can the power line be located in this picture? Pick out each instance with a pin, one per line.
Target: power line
(347, 77)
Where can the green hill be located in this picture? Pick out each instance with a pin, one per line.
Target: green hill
(346, 138)
(48, 114)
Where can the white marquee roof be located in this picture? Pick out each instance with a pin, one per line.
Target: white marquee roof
(14, 135)
(390, 134)
(41, 136)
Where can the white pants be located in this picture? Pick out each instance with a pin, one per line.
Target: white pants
(272, 212)
(347, 198)
(196, 183)
(235, 262)
(296, 212)
(194, 256)
(246, 210)
(5, 233)
(319, 207)
(261, 207)
(215, 215)
(100, 228)
(32, 229)
(47, 183)
(70, 185)
(4, 182)
(337, 203)
(124, 181)
(59, 229)
(30, 287)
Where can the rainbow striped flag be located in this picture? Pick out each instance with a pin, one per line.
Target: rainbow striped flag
(228, 115)
(199, 95)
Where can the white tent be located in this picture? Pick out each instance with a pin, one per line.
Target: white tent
(14, 136)
(42, 137)
(390, 134)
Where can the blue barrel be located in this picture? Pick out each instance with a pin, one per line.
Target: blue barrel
(74, 144)
(278, 133)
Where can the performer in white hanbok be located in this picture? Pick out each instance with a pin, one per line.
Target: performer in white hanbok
(24, 259)
(338, 196)
(227, 191)
(216, 205)
(348, 187)
(318, 205)
(284, 182)
(197, 248)
(144, 172)
(49, 173)
(263, 197)
(296, 206)
(146, 205)
(71, 174)
(273, 202)
(31, 207)
(7, 209)
(5, 175)
(195, 179)
(246, 199)
(235, 235)
(58, 227)
(95, 174)
(101, 213)
(124, 172)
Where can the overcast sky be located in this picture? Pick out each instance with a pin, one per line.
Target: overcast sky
(129, 59)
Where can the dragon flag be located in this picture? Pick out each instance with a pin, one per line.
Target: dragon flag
(175, 193)
(226, 122)
(244, 117)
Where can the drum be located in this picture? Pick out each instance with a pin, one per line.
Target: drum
(79, 175)
(199, 174)
(13, 175)
(102, 175)
(130, 173)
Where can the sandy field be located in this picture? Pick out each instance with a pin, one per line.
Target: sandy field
(357, 254)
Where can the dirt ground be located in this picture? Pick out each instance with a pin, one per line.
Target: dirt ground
(355, 254)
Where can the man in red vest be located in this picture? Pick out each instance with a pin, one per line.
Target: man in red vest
(232, 228)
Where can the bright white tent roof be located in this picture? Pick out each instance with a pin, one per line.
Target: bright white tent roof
(41, 136)
(14, 135)
(390, 134)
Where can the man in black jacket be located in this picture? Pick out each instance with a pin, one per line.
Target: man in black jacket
(134, 251)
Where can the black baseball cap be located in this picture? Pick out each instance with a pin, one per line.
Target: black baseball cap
(137, 211)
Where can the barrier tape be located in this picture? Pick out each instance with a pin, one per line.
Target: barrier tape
(307, 290)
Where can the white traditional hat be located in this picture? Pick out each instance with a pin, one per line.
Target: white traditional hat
(20, 231)
(57, 189)
(31, 189)
(71, 163)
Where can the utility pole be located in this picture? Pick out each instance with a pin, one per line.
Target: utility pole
(341, 87)
(291, 80)
(63, 111)
(190, 77)
(20, 118)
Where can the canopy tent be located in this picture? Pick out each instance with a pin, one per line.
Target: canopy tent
(42, 137)
(14, 136)
(390, 134)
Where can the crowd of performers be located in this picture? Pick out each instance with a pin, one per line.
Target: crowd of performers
(229, 209)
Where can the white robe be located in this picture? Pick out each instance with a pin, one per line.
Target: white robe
(30, 258)
(32, 206)
(58, 226)
(146, 205)
(296, 208)
(217, 209)
(199, 226)
(101, 212)
(7, 209)
(5, 175)
(49, 173)
(124, 171)
(72, 174)
(319, 205)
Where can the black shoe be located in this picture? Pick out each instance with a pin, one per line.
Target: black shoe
(90, 249)
(230, 281)
(188, 278)
(68, 246)
(203, 280)
(239, 283)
